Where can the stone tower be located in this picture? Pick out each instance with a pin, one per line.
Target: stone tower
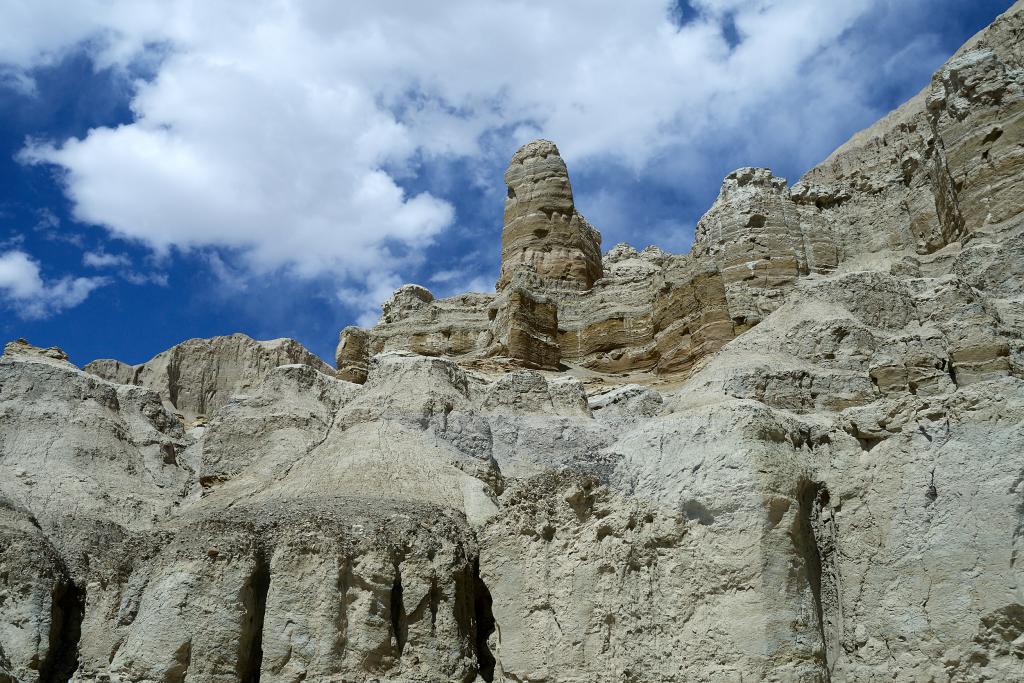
(542, 228)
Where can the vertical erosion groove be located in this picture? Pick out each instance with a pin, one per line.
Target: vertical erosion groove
(435, 598)
(344, 581)
(259, 584)
(483, 619)
(399, 623)
(817, 544)
(947, 199)
(67, 612)
(173, 378)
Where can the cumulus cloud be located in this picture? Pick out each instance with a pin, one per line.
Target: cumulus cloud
(285, 133)
(23, 290)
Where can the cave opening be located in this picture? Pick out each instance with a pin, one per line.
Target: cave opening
(485, 625)
(67, 612)
(399, 624)
(259, 584)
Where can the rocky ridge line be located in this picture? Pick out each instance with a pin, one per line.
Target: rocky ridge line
(793, 454)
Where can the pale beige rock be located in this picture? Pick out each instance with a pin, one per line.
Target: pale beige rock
(20, 347)
(793, 454)
(755, 235)
(74, 444)
(542, 228)
(199, 376)
(405, 301)
(941, 170)
(525, 328)
(114, 370)
(353, 355)
(39, 605)
(457, 326)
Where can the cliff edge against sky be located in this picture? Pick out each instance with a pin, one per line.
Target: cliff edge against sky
(792, 454)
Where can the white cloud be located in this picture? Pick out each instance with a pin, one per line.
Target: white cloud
(25, 292)
(281, 130)
(443, 276)
(101, 259)
(136, 278)
(451, 282)
(122, 265)
(477, 284)
(368, 296)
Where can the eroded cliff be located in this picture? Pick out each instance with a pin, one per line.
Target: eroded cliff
(792, 454)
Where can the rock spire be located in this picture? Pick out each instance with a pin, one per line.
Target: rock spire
(542, 228)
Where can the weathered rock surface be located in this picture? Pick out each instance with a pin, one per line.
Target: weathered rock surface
(943, 169)
(20, 347)
(198, 376)
(353, 355)
(793, 454)
(542, 228)
(39, 607)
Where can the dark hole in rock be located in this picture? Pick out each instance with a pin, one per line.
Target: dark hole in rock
(485, 625)
(259, 584)
(993, 135)
(399, 627)
(695, 511)
(67, 613)
(756, 221)
(869, 442)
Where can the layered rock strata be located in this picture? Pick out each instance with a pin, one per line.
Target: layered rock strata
(942, 169)
(353, 355)
(830, 489)
(542, 228)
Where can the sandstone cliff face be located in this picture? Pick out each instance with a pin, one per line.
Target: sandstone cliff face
(198, 376)
(793, 454)
(542, 228)
(939, 171)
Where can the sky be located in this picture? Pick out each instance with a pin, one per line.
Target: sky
(189, 168)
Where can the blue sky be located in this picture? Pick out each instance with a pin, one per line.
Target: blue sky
(184, 169)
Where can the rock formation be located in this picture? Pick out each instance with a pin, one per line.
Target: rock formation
(198, 376)
(542, 228)
(793, 454)
(353, 355)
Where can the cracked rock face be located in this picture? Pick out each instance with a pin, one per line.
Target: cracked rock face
(793, 454)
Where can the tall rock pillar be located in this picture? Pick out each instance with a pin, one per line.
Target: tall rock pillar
(542, 228)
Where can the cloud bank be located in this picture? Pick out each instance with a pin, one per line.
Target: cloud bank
(284, 134)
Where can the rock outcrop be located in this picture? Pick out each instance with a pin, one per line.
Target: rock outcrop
(793, 454)
(942, 169)
(21, 347)
(542, 228)
(198, 376)
(353, 355)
